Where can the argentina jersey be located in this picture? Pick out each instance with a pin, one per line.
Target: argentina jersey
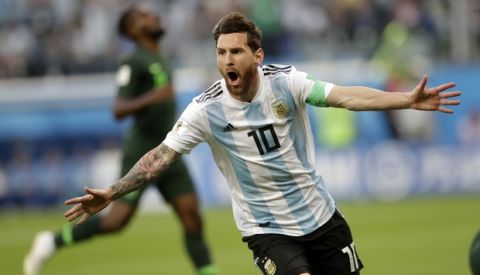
(265, 150)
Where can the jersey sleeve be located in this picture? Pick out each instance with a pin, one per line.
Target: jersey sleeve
(161, 72)
(310, 90)
(188, 130)
(127, 77)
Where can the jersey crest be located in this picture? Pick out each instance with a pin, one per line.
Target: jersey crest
(280, 109)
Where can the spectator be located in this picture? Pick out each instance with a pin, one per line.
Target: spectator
(50, 177)
(468, 130)
(20, 179)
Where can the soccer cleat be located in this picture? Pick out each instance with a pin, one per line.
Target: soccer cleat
(42, 249)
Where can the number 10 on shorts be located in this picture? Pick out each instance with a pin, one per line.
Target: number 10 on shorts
(352, 256)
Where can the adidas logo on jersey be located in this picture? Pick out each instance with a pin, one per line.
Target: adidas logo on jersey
(229, 128)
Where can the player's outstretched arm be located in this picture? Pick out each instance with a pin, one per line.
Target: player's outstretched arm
(359, 98)
(147, 168)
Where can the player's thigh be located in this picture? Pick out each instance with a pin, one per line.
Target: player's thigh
(277, 254)
(334, 251)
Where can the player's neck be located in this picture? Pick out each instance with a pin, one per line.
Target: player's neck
(149, 44)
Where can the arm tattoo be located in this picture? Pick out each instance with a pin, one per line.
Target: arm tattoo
(146, 169)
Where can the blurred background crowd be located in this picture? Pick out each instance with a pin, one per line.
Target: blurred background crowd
(58, 57)
(45, 37)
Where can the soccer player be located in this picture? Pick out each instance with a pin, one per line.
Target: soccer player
(256, 124)
(145, 92)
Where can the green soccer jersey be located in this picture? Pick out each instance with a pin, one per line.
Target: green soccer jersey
(139, 73)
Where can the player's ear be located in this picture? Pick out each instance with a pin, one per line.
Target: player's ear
(259, 55)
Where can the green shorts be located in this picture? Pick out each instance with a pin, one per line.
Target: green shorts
(173, 182)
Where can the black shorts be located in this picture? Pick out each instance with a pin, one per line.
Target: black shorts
(329, 250)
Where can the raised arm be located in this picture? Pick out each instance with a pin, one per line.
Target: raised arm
(147, 168)
(358, 98)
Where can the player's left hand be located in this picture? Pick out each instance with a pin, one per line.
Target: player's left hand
(89, 204)
(434, 99)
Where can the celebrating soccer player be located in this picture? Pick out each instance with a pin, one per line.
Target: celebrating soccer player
(256, 124)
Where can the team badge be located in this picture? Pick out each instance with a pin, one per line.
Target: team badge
(280, 109)
(266, 265)
(270, 267)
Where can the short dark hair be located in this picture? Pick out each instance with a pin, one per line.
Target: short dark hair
(236, 22)
(124, 21)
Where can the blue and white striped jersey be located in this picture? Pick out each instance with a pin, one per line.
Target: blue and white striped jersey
(264, 149)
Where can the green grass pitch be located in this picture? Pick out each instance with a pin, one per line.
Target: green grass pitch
(418, 236)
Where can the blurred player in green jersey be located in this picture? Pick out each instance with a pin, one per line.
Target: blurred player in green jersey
(474, 254)
(145, 92)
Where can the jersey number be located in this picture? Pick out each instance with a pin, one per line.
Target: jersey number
(352, 256)
(268, 145)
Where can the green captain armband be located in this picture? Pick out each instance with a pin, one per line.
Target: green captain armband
(317, 96)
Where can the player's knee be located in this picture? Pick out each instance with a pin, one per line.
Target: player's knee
(110, 225)
(118, 227)
(192, 223)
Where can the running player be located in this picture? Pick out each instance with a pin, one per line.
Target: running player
(145, 92)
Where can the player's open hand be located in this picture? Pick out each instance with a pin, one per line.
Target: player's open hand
(89, 204)
(434, 99)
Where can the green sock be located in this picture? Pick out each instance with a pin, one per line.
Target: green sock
(199, 253)
(210, 269)
(71, 234)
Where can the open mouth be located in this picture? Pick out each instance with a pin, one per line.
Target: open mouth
(234, 77)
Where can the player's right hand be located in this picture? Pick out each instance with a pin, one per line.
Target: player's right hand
(89, 204)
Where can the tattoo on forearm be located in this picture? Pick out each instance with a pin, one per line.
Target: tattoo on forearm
(164, 149)
(146, 169)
